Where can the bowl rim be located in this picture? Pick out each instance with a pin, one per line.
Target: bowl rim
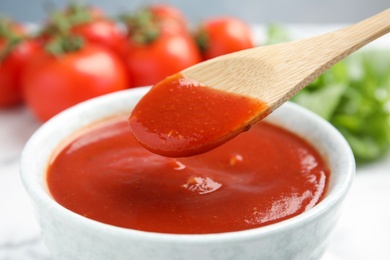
(40, 195)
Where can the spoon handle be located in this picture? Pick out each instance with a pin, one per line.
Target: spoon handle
(319, 53)
(275, 73)
(337, 45)
(366, 31)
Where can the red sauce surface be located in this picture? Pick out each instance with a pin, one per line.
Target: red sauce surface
(261, 177)
(180, 117)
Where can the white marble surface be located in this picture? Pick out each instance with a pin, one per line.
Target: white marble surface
(362, 233)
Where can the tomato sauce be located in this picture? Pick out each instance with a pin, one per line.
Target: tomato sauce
(262, 176)
(180, 117)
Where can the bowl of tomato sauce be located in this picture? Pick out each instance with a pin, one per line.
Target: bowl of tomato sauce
(273, 192)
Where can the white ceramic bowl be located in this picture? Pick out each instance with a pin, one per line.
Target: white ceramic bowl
(71, 236)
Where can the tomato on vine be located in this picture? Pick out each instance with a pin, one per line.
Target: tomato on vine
(89, 23)
(222, 35)
(68, 72)
(15, 51)
(168, 16)
(156, 49)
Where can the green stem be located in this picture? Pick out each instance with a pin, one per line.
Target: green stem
(64, 44)
(142, 27)
(11, 38)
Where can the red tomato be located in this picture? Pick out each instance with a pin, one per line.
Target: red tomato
(103, 32)
(87, 22)
(169, 53)
(12, 64)
(54, 83)
(169, 16)
(165, 11)
(218, 36)
(158, 46)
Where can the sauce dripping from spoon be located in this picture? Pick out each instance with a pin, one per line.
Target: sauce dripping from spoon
(188, 118)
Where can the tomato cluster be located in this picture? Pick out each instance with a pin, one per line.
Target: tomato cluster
(81, 53)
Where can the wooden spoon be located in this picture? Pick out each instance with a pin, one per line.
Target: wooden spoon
(271, 74)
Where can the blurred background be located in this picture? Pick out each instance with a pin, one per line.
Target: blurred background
(252, 11)
(357, 101)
